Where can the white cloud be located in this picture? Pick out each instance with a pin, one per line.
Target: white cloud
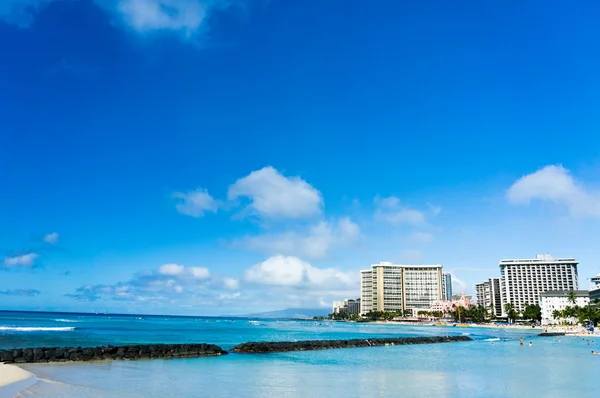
(273, 195)
(199, 272)
(421, 237)
(292, 271)
(196, 203)
(148, 15)
(555, 184)
(51, 238)
(184, 16)
(229, 296)
(390, 210)
(231, 283)
(171, 269)
(168, 282)
(314, 242)
(25, 260)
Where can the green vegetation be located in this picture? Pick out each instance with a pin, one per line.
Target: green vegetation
(590, 312)
(511, 313)
(475, 314)
(344, 316)
(532, 313)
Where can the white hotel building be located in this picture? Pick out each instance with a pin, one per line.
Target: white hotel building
(559, 300)
(393, 287)
(523, 280)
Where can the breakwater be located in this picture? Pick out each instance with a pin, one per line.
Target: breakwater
(307, 345)
(167, 351)
(108, 352)
(551, 334)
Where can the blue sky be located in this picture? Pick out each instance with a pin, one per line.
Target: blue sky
(221, 157)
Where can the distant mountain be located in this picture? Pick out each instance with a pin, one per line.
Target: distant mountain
(298, 313)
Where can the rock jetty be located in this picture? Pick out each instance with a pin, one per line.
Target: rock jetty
(284, 346)
(551, 334)
(108, 352)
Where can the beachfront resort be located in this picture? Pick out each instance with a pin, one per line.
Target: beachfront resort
(543, 290)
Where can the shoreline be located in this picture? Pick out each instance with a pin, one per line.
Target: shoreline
(14, 379)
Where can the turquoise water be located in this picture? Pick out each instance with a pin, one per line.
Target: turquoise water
(474, 369)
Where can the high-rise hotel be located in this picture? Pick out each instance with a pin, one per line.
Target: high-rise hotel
(393, 287)
(523, 280)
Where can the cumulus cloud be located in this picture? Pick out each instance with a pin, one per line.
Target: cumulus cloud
(272, 195)
(314, 242)
(184, 16)
(25, 260)
(51, 238)
(20, 292)
(292, 271)
(229, 296)
(392, 211)
(196, 203)
(231, 283)
(169, 281)
(555, 184)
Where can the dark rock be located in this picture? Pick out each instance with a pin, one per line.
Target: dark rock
(38, 354)
(6, 356)
(264, 347)
(28, 354)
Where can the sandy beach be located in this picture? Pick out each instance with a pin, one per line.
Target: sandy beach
(13, 379)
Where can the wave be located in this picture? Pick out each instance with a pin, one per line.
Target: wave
(36, 329)
(66, 320)
(492, 339)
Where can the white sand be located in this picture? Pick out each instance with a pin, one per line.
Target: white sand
(13, 379)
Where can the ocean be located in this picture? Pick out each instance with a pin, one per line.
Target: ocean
(492, 365)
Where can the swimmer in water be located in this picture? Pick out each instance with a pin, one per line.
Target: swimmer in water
(595, 353)
(530, 344)
(521, 341)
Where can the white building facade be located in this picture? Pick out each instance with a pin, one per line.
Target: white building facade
(524, 280)
(393, 287)
(559, 300)
(489, 296)
(348, 306)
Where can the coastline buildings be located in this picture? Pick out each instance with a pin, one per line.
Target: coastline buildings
(489, 296)
(446, 306)
(392, 287)
(595, 288)
(523, 280)
(348, 306)
(446, 286)
(558, 300)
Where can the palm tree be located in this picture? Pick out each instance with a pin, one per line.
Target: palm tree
(492, 311)
(510, 312)
(571, 297)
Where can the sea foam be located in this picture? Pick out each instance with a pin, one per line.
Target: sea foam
(37, 329)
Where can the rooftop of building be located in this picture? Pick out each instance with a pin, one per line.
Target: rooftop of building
(539, 259)
(565, 293)
(390, 264)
